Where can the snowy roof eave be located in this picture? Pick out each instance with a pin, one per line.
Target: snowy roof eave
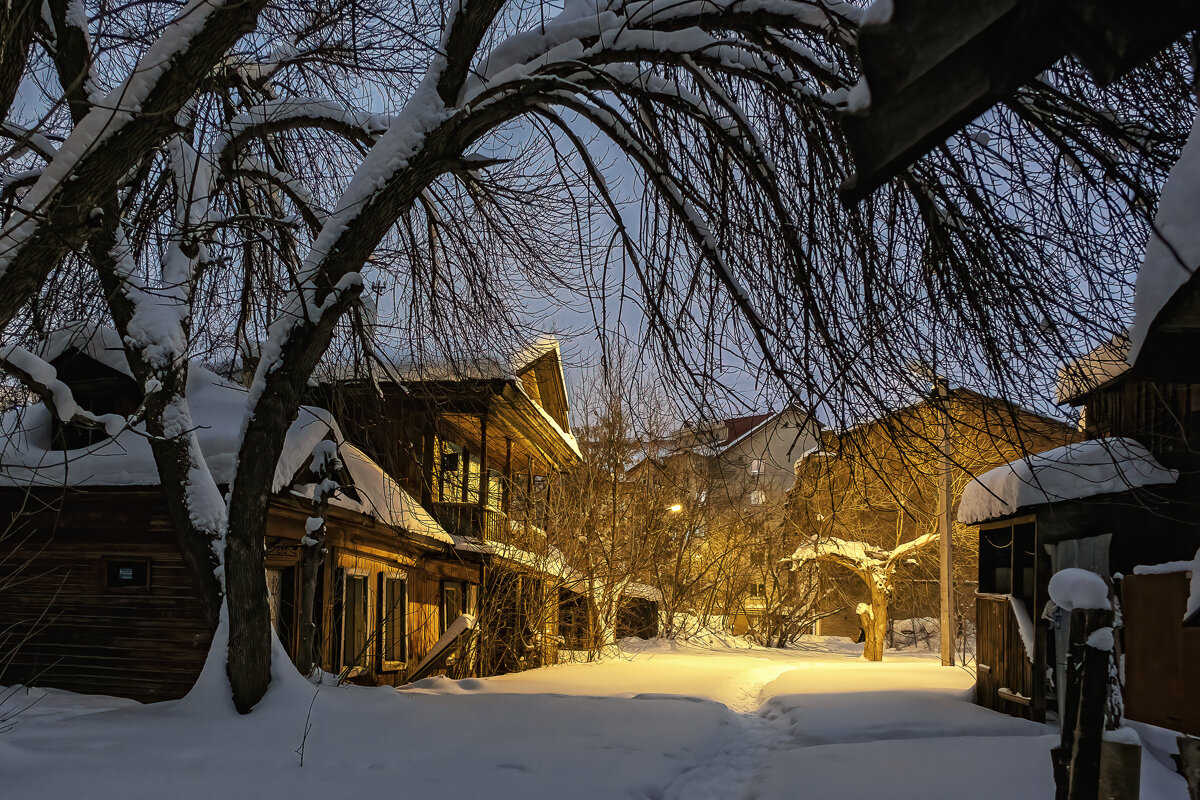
(1072, 472)
(1173, 250)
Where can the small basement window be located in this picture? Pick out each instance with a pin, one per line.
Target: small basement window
(127, 573)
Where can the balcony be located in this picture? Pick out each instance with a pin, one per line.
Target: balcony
(469, 519)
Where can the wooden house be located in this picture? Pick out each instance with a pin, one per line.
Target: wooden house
(106, 603)
(1121, 504)
(931, 66)
(98, 598)
(482, 443)
(877, 483)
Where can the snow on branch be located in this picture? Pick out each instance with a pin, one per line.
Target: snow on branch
(298, 112)
(41, 378)
(858, 555)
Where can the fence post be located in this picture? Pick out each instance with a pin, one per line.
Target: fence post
(1087, 695)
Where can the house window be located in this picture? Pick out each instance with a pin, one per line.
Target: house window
(758, 590)
(452, 602)
(127, 574)
(756, 466)
(758, 497)
(354, 620)
(393, 617)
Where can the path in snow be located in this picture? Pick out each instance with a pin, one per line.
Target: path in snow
(667, 722)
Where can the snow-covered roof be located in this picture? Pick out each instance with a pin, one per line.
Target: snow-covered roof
(99, 342)
(218, 407)
(1085, 469)
(1173, 251)
(553, 563)
(642, 591)
(381, 497)
(1103, 364)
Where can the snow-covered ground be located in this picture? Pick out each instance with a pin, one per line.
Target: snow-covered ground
(661, 720)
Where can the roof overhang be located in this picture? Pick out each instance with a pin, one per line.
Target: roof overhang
(932, 66)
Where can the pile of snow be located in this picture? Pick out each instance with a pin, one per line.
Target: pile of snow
(1073, 588)
(218, 407)
(1173, 251)
(1094, 467)
(670, 723)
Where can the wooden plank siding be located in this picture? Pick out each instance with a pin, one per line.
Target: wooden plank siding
(148, 644)
(1162, 657)
(1001, 662)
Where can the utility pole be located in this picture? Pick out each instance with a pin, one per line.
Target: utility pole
(941, 389)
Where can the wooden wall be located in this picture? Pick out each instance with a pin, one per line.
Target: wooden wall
(424, 576)
(1162, 657)
(148, 644)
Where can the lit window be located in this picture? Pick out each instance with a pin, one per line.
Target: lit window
(393, 614)
(758, 497)
(756, 467)
(354, 620)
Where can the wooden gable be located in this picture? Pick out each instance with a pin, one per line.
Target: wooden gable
(542, 379)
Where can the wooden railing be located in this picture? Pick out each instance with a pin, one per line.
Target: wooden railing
(468, 519)
(1004, 673)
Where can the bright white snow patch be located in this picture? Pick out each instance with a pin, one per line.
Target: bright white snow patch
(1101, 639)
(1073, 588)
(1097, 466)
(661, 721)
(1024, 625)
(1173, 251)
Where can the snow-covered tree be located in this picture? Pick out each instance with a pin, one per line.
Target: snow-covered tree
(191, 173)
(875, 568)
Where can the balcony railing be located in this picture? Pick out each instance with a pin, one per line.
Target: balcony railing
(468, 519)
(489, 525)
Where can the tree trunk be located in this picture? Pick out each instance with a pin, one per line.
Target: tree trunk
(311, 559)
(249, 612)
(874, 620)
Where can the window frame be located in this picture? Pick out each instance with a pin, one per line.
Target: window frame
(384, 617)
(111, 562)
(461, 588)
(359, 665)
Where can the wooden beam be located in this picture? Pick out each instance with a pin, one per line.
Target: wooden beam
(483, 459)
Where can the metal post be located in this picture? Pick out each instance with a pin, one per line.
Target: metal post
(946, 528)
